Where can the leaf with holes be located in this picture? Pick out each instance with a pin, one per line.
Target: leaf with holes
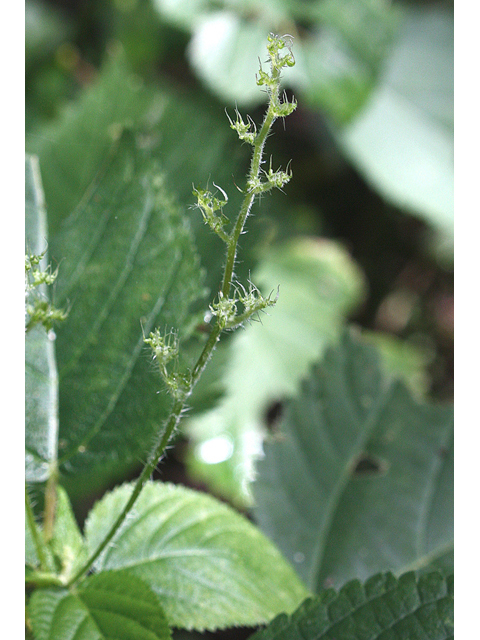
(209, 566)
(109, 605)
(383, 607)
(359, 478)
(319, 285)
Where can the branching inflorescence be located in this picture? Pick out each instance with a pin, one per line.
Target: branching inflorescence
(234, 304)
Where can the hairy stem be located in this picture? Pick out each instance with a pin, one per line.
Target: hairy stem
(37, 538)
(253, 187)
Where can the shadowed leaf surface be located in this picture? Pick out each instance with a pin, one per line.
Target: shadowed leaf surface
(318, 285)
(360, 476)
(382, 608)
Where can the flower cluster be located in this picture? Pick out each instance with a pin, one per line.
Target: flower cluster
(212, 210)
(38, 309)
(246, 130)
(252, 301)
(165, 350)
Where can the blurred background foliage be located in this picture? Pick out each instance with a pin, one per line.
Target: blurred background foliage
(365, 230)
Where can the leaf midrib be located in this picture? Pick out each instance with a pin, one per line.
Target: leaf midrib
(369, 425)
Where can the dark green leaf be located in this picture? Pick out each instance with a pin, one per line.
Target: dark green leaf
(209, 566)
(344, 52)
(45, 28)
(107, 606)
(318, 285)
(127, 264)
(384, 608)
(359, 478)
(41, 383)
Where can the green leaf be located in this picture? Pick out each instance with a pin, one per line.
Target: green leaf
(318, 285)
(41, 381)
(224, 52)
(402, 141)
(106, 606)
(67, 542)
(337, 55)
(75, 149)
(404, 360)
(45, 29)
(360, 476)
(127, 263)
(343, 54)
(31, 557)
(209, 566)
(383, 607)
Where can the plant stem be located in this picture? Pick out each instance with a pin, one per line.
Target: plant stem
(157, 453)
(247, 201)
(37, 538)
(182, 394)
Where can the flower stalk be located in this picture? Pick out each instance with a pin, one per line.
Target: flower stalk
(230, 311)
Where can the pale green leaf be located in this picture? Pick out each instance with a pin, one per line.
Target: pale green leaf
(210, 567)
(337, 56)
(224, 52)
(67, 542)
(359, 478)
(318, 285)
(108, 606)
(402, 141)
(185, 14)
(41, 381)
(383, 608)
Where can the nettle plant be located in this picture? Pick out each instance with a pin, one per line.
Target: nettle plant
(154, 556)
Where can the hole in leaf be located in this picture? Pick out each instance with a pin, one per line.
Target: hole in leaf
(273, 415)
(368, 465)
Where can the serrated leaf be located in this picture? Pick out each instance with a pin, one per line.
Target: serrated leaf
(360, 476)
(209, 566)
(41, 381)
(402, 141)
(75, 149)
(127, 263)
(67, 542)
(383, 608)
(318, 285)
(106, 606)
